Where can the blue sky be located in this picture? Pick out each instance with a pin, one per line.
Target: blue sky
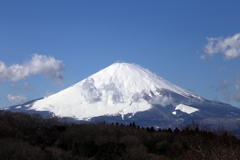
(48, 45)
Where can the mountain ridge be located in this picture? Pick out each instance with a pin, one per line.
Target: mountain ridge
(126, 91)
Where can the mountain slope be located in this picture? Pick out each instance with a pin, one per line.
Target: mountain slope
(129, 92)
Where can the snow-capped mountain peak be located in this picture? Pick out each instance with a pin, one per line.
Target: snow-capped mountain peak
(129, 79)
(129, 92)
(121, 88)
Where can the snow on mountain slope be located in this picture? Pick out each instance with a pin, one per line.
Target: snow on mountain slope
(186, 109)
(131, 78)
(117, 89)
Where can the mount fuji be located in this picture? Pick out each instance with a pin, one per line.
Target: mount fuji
(125, 93)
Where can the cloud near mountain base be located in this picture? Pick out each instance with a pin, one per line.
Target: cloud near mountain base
(161, 100)
(17, 99)
(231, 89)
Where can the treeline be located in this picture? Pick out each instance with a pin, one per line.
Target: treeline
(24, 136)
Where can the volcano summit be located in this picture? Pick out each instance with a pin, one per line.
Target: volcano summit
(126, 92)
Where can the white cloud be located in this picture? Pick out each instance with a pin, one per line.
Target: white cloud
(162, 100)
(17, 99)
(203, 57)
(39, 64)
(26, 87)
(231, 89)
(91, 92)
(229, 46)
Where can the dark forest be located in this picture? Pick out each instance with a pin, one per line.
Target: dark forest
(24, 136)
